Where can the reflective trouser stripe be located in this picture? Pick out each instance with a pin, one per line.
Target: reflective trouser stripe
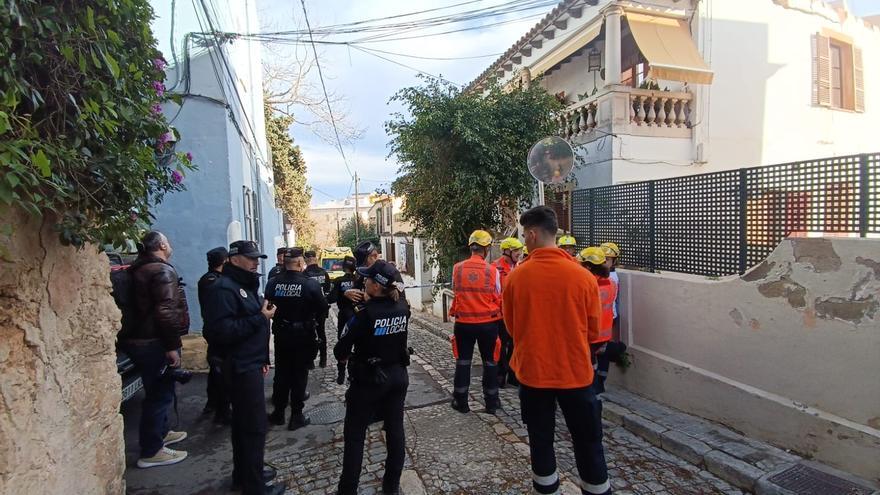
(596, 489)
(603, 373)
(461, 390)
(489, 363)
(463, 362)
(548, 480)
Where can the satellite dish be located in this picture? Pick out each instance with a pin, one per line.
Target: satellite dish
(551, 160)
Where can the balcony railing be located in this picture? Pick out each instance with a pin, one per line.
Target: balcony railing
(646, 110)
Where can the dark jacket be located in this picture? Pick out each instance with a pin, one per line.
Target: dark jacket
(235, 321)
(160, 303)
(319, 275)
(378, 330)
(337, 295)
(206, 284)
(275, 271)
(298, 297)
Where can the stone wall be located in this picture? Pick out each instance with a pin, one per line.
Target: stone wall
(60, 427)
(788, 353)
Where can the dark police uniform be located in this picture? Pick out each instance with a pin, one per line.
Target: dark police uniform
(274, 272)
(379, 381)
(344, 304)
(236, 322)
(320, 275)
(300, 301)
(218, 400)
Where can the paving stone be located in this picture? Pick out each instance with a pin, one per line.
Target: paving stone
(684, 446)
(644, 428)
(614, 413)
(732, 470)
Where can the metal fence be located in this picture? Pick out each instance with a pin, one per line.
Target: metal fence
(725, 222)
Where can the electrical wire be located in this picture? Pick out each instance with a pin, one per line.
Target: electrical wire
(420, 71)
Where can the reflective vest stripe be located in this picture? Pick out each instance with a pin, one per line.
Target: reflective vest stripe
(477, 295)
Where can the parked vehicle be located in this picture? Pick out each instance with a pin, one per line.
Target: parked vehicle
(331, 260)
(131, 380)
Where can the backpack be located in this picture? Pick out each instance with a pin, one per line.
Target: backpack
(123, 294)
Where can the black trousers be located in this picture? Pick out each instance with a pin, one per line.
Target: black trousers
(322, 339)
(362, 404)
(294, 354)
(505, 374)
(249, 426)
(218, 398)
(583, 416)
(484, 335)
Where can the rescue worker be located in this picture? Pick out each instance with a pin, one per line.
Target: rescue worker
(568, 244)
(551, 309)
(524, 257)
(612, 252)
(511, 251)
(318, 274)
(279, 264)
(477, 312)
(300, 301)
(379, 379)
(345, 305)
(239, 321)
(593, 259)
(218, 400)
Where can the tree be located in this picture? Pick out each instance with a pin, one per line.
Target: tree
(292, 193)
(463, 158)
(347, 233)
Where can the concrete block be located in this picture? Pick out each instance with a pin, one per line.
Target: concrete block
(614, 413)
(644, 428)
(684, 446)
(194, 355)
(411, 484)
(732, 470)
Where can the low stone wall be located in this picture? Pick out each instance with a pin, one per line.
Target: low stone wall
(788, 353)
(60, 427)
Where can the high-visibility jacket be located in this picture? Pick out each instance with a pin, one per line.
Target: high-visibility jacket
(504, 267)
(477, 288)
(607, 295)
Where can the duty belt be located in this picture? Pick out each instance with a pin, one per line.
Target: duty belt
(295, 325)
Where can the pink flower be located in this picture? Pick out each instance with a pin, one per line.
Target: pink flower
(159, 63)
(189, 156)
(160, 88)
(156, 109)
(166, 137)
(176, 177)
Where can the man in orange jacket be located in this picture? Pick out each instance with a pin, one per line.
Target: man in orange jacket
(551, 309)
(511, 250)
(477, 312)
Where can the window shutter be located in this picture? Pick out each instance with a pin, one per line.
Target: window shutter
(858, 80)
(821, 71)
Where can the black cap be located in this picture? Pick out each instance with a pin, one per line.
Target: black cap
(310, 254)
(348, 264)
(294, 252)
(246, 248)
(362, 251)
(281, 250)
(217, 256)
(383, 273)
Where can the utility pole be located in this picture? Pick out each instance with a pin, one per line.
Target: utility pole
(337, 228)
(357, 215)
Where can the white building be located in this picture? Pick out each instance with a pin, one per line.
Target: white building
(330, 217)
(741, 83)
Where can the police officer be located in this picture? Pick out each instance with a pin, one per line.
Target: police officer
(278, 269)
(218, 401)
(379, 380)
(238, 319)
(300, 301)
(344, 304)
(318, 274)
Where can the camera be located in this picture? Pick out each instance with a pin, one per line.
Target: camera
(179, 375)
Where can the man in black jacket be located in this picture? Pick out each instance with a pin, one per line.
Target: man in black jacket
(345, 305)
(218, 399)
(152, 341)
(300, 302)
(318, 274)
(239, 321)
(278, 269)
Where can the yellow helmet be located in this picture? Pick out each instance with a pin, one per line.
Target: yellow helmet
(594, 255)
(525, 251)
(511, 243)
(480, 237)
(566, 240)
(611, 250)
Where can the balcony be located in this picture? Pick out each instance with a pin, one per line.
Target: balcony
(631, 111)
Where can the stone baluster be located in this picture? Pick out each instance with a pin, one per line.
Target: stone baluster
(575, 118)
(639, 115)
(670, 118)
(661, 112)
(591, 116)
(563, 126)
(652, 114)
(583, 111)
(681, 117)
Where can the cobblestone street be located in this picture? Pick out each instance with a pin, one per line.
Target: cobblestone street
(476, 453)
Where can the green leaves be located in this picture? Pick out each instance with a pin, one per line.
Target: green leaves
(41, 162)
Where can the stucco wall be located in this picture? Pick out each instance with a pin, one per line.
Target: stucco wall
(60, 428)
(790, 352)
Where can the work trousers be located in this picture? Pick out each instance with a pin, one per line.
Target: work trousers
(218, 398)
(294, 354)
(364, 402)
(484, 335)
(583, 416)
(505, 374)
(149, 357)
(249, 426)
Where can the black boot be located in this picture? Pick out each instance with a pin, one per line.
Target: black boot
(223, 417)
(277, 417)
(493, 405)
(297, 421)
(322, 361)
(460, 403)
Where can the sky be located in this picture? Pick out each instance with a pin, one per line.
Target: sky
(368, 82)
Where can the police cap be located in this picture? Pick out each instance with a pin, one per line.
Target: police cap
(383, 273)
(217, 256)
(294, 252)
(246, 248)
(310, 254)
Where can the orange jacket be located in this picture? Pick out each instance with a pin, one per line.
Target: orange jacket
(504, 267)
(607, 295)
(551, 310)
(477, 291)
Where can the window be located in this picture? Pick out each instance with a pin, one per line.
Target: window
(838, 75)
(388, 221)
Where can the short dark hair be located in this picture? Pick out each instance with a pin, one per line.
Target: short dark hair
(542, 217)
(152, 241)
(217, 257)
(477, 248)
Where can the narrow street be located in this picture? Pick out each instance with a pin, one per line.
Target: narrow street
(447, 452)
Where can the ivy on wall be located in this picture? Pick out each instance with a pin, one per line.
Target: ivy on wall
(82, 135)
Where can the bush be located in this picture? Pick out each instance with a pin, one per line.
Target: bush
(82, 136)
